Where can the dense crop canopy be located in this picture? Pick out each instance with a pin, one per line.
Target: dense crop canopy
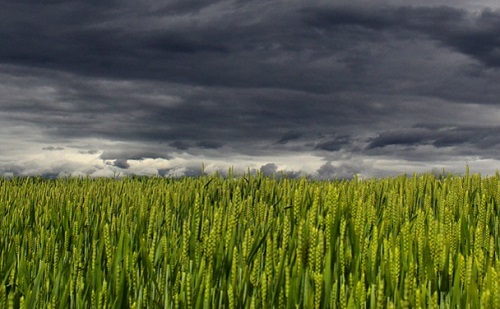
(250, 242)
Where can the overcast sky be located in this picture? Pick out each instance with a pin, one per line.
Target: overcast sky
(321, 88)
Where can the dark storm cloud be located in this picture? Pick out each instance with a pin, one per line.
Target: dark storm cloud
(171, 114)
(334, 144)
(178, 43)
(479, 39)
(209, 144)
(181, 43)
(480, 137)
(226, 46)
(400, 137)
(485, 138)
(181, 7)
(289, 136)
(133, 154)
(475, 35)
(180, 145)
(226, 49)
(250, 78)
(133, 41)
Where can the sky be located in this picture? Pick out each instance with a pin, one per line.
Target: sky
(324, 89)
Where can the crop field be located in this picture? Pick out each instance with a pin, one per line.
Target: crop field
(250, 242)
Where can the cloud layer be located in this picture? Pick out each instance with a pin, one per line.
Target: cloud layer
(302, 87)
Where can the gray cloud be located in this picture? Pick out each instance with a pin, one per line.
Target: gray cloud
(289, 136)
(177, 172)
(406, 137)
(153, 87)
(209, 144)
(121, 163)
(480, 137)
(335, 144)
(52, 148)
(339, 171)
(474, 35)
(269, 169)
(179, 145)
(123, 155)
(326, 171)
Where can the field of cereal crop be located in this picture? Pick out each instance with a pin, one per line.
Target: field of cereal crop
(250, 242)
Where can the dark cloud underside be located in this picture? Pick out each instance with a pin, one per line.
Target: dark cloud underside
(157, 86)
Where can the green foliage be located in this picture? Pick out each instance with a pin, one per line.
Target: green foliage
(250, 242)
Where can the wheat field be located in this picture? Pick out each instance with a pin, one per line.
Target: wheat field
(250, 242)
